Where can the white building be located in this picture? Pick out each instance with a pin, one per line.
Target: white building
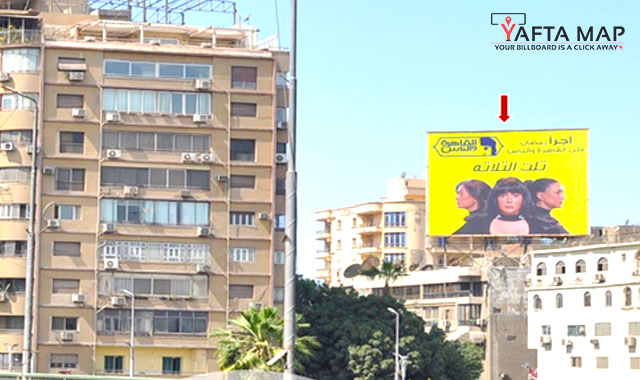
(584, 317)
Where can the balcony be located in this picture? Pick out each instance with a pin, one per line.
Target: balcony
(367, 209)
(20, 36)
(323, 253)
(369, 249)
(323, 235)
(369, 229)
(324, 274)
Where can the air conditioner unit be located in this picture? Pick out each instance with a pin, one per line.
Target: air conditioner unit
(557, 280)
(189, 157)
(114, 154)
(76, 75)
(185, 194)
(108, 228)
(200, 118)
(204, 231)
(256, 305)
(281, 158)
(118, 301)
(68, 336)
(630, 341)
(112, 117)
(282, 125)
(48, 170)
(89, 39)
(207, 158)
(7, 146)
(78, 113)
(78, 298)
(263, 216)
(481, 322)
(154, 41)
(5, 77)
(203, 268)
(111, 264)
(131, 191)
(567, 342)
(203, 84)
(222, 178)
(53, 223)
(30, 149)
(545, 339)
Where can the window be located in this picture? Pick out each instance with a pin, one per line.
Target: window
(602, 362)
(113, 364)
(603, 265)
(63, 361)
(154, 285)
(117, 321)
(581, 266)
(537, 303)
(151, 102)
(541, 269)
(576, 330)
(394, 219)
(155, 70)
(19, 137)
(65, 286)
(14, 175)
(147, 141)
(634, 362)
(71, 142)
(16, 360)
(179, 322)
(242, 182)
(281, 148)
(279, 257)
(11, 322)
(171, 365)
(241, 218)
(338, 245)
(66, 248)
(14, 211)
(70, 101)
(64, 323)
(282, 114)
(20, 60)
(242, 255)
(13, 247)
(394, 239)
(607, 297)
(243, 150)
(244, 77)
(280, 222)
(67, 212)
(396, 258)
(634, 328)
(240, 291)
(161, 178)
(244, 109)
(150, 212)
(12, 285)
(576, 362)
(278, 294)
(603, 329)
(18, 102)
(71, 64)
(627, 296)
(558, 301)
(156, 251)
(546, 329)
(281, 186)
(467, 314)
(69, 179)
(560, 268)
(587, 299)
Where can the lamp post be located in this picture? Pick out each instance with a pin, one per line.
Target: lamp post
(27, 360)
(397, 355)
(132, 342)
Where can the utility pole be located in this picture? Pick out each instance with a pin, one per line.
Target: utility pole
(397, 355)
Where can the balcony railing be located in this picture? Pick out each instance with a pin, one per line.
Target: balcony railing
(20, 36)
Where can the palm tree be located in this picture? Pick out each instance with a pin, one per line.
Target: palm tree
(388, 271)
(254, 338)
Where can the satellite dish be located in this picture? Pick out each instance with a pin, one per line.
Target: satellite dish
(352, 271)
(370, 263)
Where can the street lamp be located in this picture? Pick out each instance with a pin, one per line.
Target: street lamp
(132, 342)
(397, 355)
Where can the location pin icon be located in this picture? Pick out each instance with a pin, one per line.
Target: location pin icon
(508, 20)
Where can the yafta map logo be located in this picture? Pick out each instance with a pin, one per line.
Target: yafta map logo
(515, 34)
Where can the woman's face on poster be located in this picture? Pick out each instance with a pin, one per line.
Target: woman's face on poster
(510, 203)
(466, 200)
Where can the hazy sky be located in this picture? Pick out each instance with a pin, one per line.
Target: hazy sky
(375, 76)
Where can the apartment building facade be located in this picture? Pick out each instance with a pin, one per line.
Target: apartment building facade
(159, 156)
(584, 318)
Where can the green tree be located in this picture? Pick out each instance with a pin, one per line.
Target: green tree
(255, 337)
(357, 337)
(388, 271)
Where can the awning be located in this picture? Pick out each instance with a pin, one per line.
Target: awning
(72, 66)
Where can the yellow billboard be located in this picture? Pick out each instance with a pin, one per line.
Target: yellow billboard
(508, 183)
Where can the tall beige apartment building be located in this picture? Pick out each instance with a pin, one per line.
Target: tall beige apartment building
(392, 229)
(159, 152)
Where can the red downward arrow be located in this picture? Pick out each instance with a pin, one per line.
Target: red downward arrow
(504, 108)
